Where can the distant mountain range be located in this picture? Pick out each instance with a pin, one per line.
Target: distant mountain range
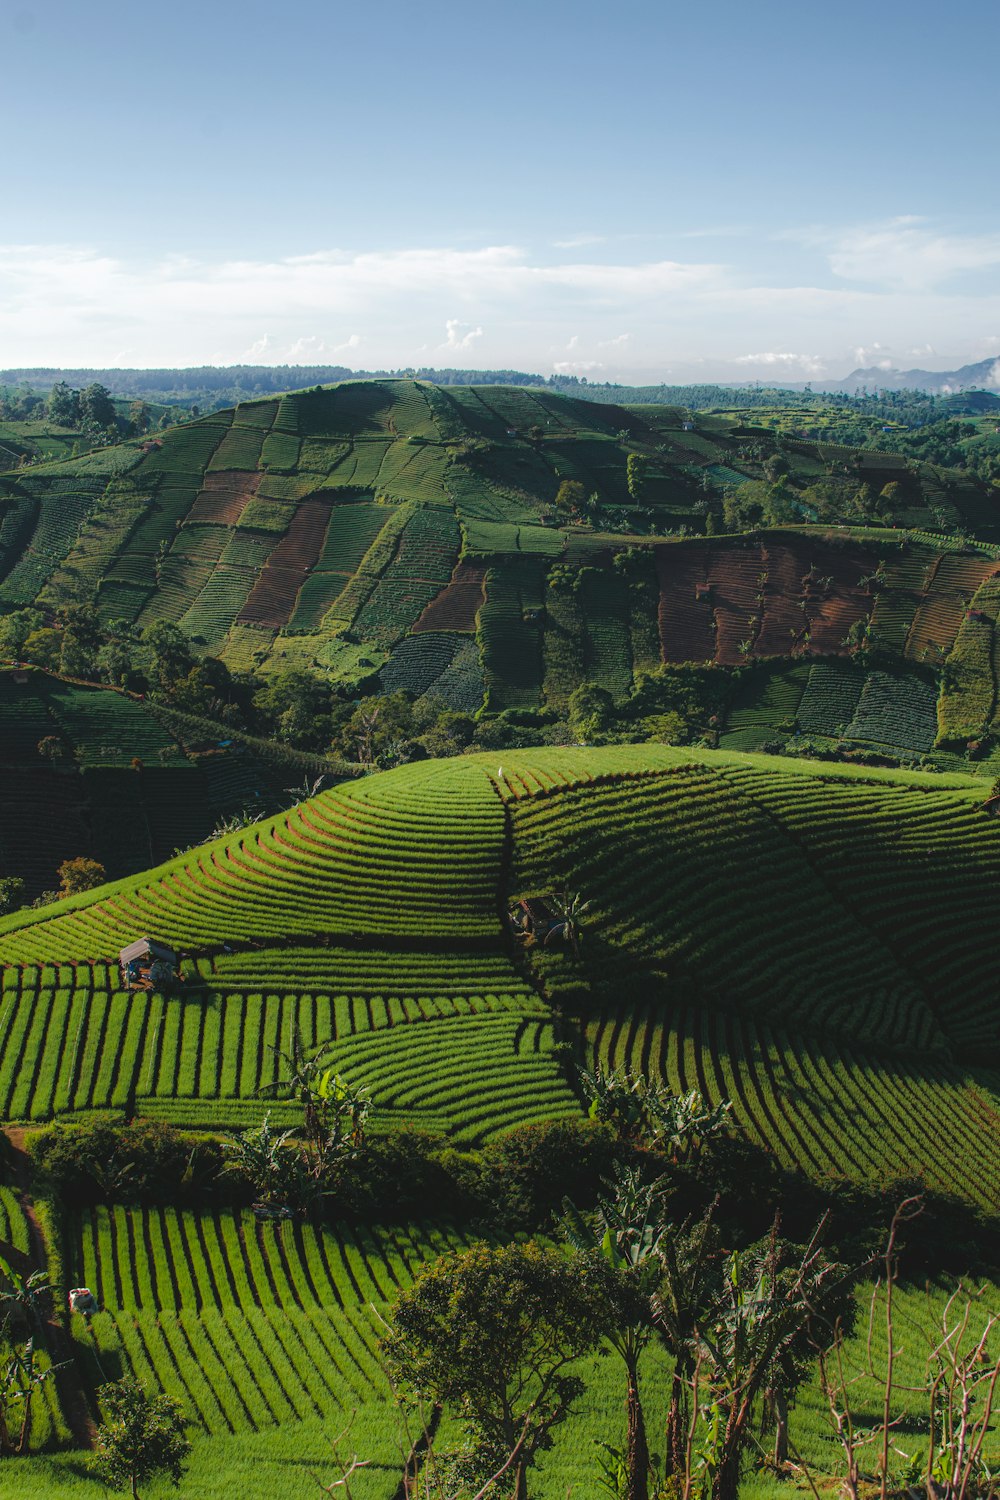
(985, 374)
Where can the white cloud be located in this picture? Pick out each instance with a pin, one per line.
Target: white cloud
(808, 364)
(457, 340)
(906, 253)
(70, 305)
(576, 366)
(872, 354)
(259, 351)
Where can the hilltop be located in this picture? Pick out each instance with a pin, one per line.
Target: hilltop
(495, 548)
(802, 941)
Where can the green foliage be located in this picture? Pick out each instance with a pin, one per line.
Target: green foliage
(80, 874)
(531, 1309)
(138, 1161)
(141, 1437)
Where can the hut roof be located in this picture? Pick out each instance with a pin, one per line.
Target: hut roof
(146, 948)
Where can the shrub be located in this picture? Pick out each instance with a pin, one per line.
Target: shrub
(527, 1174)
(142, 1161)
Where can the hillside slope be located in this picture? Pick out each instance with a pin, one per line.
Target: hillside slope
(806, 943)
(494, 547)
(91, 771)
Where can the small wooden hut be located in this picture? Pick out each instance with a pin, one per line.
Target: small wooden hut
(146, 965)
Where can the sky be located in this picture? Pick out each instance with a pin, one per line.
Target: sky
(641, 191)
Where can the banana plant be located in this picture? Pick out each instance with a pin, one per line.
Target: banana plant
(23, 1298)
(21, 1377)
(626, 1232)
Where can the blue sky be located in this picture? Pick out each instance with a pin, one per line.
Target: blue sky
(628, 191)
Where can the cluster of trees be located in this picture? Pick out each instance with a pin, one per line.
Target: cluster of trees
(75, 875)
(661, 1227)
(298, 708)
(952, 443)
(496, 1333)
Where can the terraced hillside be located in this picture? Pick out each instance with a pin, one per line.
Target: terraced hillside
(494, 547)
(86, 770)
(805, 942)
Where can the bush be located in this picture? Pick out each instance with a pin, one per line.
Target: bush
(526, 1175)
(408, 1174)
(106, 1159)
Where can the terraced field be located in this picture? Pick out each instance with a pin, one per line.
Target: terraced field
(382, 531)
(762, 909)
(803, 940)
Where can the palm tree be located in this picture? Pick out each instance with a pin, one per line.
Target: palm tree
(682, 1122)
(334, 1113)
(306, 790)
(753, 1339)
(266, 1160)
(25, 1297)
(21, 1377)
(23, 1302)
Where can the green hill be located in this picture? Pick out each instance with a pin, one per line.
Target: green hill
(493, 548)
(807, 943)
(88, 770)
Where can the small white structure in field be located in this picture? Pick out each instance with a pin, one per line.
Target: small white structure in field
(82, 1300)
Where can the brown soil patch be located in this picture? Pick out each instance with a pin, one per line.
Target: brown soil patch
(224, 496)
(733, 575)
(458, 604)
(273, 596)
(686, 632)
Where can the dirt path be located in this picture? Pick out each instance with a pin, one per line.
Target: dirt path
(71, 1395)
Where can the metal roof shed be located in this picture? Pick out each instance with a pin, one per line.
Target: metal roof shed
(146, 948)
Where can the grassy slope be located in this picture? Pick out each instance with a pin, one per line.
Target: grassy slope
(414, 861)
(256, 531)
(803, 940)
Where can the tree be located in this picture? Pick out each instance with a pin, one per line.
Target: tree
(678, 1123)
(80, 874)
(64, 405)
(688, 1284)
(493, 1331)
(11, 893)
(636, 473)
(270, 1164)
(626, 1232)
(142, 1436)
(296, 705)
(590, 710)
(96, 406)
(23, 1303)
(571, 495)
(21, 1378)
(334, 1113)
(15, 629)
(754, 1339)
(570, 907)
(53, 748)
(139, 417)
(167, 653)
